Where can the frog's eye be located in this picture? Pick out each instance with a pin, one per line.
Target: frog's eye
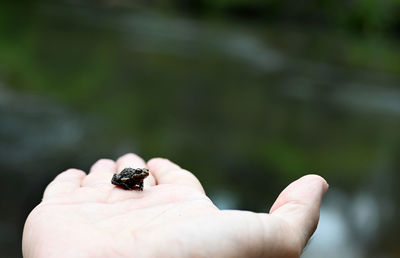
(124, 179)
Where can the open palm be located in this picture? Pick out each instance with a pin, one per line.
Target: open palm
(86, 216)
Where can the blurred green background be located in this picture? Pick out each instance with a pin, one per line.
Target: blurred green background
(249, 95)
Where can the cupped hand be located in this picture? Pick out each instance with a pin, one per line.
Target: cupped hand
(86, 216)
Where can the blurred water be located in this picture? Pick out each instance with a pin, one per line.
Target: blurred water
(231, 102)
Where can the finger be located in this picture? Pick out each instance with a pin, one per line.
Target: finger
(131, 160)
(100, 174)
(299, 205)
(64, 183)
(167, 172)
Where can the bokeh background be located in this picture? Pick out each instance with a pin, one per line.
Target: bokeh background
(249, 95)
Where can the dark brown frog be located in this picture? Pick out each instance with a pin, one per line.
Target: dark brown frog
(130, 178)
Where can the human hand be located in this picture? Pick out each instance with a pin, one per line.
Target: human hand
(86, 216)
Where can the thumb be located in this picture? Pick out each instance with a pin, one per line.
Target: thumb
(299, 205)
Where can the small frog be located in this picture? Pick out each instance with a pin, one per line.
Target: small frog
(130, 178)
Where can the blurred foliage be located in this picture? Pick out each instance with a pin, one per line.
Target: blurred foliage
(363, 16)
(355, 16)
(73, 57)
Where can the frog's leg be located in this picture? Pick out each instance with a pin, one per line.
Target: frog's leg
(141, 186)
(125, 186)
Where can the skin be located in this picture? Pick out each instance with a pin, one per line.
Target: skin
(86, 216)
